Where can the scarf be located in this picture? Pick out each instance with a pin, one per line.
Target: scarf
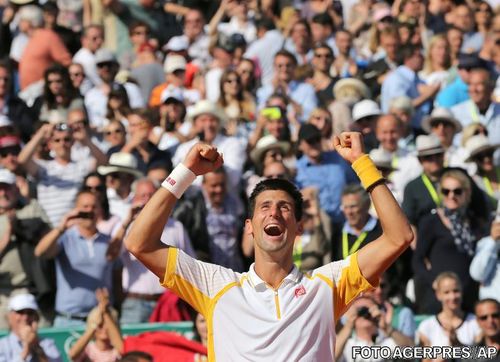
(461, 231)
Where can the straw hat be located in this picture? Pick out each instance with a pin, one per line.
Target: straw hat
(443, 115)
(121, 162)
(265, 144)
(428, 145)
(479, 144)
(206, 107)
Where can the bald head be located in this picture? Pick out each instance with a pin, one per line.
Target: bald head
(388, 132)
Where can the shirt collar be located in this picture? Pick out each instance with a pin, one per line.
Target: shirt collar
(257, 283)
(369, 226)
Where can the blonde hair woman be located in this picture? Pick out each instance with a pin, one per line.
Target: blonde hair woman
(437, 61)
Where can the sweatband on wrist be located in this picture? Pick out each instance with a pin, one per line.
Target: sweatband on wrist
(179, 180)
(367, 172)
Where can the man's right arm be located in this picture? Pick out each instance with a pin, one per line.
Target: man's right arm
(144, 238)
(26, 154)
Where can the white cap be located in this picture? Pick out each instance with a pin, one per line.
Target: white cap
(177, 44)
(23, 301)
(365, 108)
(7, 177)
(174, 62)
(172, 92)
(5, 121)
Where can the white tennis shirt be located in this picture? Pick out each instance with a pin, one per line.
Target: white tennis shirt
(248, 320)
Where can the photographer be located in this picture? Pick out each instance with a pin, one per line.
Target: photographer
(371, 326)
(79, 251)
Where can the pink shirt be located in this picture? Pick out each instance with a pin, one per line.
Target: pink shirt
(93, 354)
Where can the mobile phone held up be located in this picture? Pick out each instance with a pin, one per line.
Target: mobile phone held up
(273, 113)
(85, 215)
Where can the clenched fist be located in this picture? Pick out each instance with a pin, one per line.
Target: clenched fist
(203, 158)
(349, 145)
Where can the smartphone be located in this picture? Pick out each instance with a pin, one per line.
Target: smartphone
(201, 136)
(273, 113)
(85, 215)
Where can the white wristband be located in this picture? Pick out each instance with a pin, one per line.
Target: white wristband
(179, 180)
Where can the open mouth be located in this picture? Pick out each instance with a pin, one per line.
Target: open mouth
(273, 230)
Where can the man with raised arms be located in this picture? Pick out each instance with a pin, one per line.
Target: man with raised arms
(273, 311)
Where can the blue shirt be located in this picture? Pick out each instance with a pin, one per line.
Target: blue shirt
(330, 177)
(81, 268)
(300, 92)
(485, 268)
(11, 348)
(456, 92)
(403, 81)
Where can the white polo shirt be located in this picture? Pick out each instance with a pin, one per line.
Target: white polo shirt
(247, 320)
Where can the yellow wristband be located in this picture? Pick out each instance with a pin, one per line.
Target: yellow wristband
(367, 171)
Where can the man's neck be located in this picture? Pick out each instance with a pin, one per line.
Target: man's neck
(272, 270)
(483, 105)
(87, 232)
(434, 177)
(360, 225)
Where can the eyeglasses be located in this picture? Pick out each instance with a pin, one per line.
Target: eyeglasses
(11, 150)
(457, 192)
(76, 74)
(110, 132)
(486, 316)
(63, 139)
(232, 80)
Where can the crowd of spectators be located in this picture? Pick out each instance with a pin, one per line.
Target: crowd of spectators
(99, 100)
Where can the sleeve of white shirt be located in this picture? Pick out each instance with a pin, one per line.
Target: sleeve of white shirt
(134, 95)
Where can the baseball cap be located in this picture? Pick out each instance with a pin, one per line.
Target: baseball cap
(174, 62)
(177, 44)
(172, 93)
(365, 108)
(9, 141)
(23, 301)
(7, 177)
(104, 55)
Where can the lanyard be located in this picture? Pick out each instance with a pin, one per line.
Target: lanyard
(430, 188)
(473, 113)
(345, 246)
(297, 252)
(488, 186)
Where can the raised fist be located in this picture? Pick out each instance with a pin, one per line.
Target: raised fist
(349, 145)
(203, 158)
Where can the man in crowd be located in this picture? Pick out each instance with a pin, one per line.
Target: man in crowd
(82, 267)
(92, 40)
(23, 342)
(488, 317)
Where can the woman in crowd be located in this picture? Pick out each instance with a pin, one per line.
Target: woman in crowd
(248, 79)
(115, 135)
(238, 104)
(437, 61)
(446, 242)
(59, 95)
(102, 340)
(452, 326)
(487, 176)
(483, 16)
(118, 107)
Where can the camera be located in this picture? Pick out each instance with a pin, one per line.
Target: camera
(364, 312)
(85, 215)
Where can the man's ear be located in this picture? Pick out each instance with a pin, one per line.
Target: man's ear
(300, 228)
(248, 227)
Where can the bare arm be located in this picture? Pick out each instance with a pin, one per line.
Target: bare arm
(47, 247)
(377, 256)
(26, 155)
(79, 346)
(175, 9)
(343, 335)
(216, 19)
(143, 240)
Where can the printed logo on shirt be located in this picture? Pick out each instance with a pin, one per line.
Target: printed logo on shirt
(299, 291)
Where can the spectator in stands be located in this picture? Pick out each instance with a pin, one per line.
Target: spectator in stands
(322, 81)
(82, 134)
(23, 342)
(323, 170)
(488, 318)
(78, 78)
(359, 228)
(437, 62)
(140, 286)
(420, 195)
(12, 106)
(447, 242)
(405, 81)
(445, 126)
(79, 250)
(92, 40)
(487, 176)
(208, 121)
(58, 179)
(480, 107)
(321, 118)
(118, 107)
(246, 71)
(364, 117)
(485, 266)
(22, 224)
(10, 146)
(224, 216)
(403, 109)
(344, 65)
(120, 173)
(101, 340)
(115, 135)
(366, 324)
(301, 93)
(452, 326)
(43, 48)
(299, 42)
(464, 20)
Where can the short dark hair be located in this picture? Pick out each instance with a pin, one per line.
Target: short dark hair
(323, 19)
(487, 300)
(286, 53)
(276, 184)
(407, 51)
(133, 356)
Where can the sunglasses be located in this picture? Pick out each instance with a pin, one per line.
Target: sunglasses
(483, 155)
(436, 156)
(12, 150)
(63, 139)
(492, 315)
(323, 55)
(76, 74)
(458, 191)
(110, 132)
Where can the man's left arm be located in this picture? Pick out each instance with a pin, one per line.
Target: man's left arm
(377, 256)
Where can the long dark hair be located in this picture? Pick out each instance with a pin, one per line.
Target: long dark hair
(223, 79)
(69, 93)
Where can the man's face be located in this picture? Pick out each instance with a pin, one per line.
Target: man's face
(208, 124)
(76, 74)
(311, 148)
(273, 225)
(144, 192)
(214, 186)
(390, 44)
(20, 319)
(488, 318)
(344, 42)
(479, 90)
(323, 59)
(320, 32)
(94, 39)
(463, 18)
(4, 82)
(118, 180)
(444, 130)
(193, 24)
(299, 35)
(61, 143)
(89, 203)
(107, 71)
(8, 157)
(284, 68)
(388, 132)
(415, 62)
(76, 120)
(8, 197)
(354, 210)
(432, 164)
